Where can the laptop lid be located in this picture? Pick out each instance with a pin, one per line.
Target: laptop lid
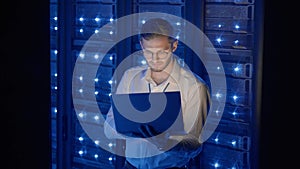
(160, 110)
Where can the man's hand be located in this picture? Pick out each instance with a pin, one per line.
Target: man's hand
(161, 141)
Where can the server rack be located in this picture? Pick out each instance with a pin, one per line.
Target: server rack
(232, 27)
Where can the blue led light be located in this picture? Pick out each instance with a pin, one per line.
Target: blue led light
(81, 55)
(235, 97)
(97, 19)
(96, 117)
(97, 142)
(81, 114)
(80, 152)
(233, 143)
(216, 165)
(80, 139)
(236, 42)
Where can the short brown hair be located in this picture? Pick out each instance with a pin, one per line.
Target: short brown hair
(157, 27)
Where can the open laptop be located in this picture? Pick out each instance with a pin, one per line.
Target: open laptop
(161, 110)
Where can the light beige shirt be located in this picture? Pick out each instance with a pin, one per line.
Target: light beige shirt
(195, 99)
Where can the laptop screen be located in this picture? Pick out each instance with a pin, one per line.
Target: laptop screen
(160, 110)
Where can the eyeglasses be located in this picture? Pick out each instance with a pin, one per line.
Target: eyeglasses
(160, 54)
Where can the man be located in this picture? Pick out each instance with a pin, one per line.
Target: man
(163, 73)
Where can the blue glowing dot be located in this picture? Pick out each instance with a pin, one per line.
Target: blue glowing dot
(97, 19)
(80, 90)
(80, 152)
(110, 144)
(110, 81)
(96, 79)
(55, 52)
(81, 19)
(96, 155)
(178, 23)
(216, 139)
(55, 74)
(81, 115)
(177, 37)
(233, 143)
(81, 30)
(96, 117)
(236, 42)
(234, 97)
(110, 58)
(216, 165)
(111, 32)
(218, 95)
(96, 31)
(143, 21)
(111, 19)
(55, 87)
(80, 78)
(143, 62)
(55, 28)
(237, 27)
(219, 26)
(80, 138)
(236, 69)
(219, 40)
(55, 18)
(96, 92)
(109, 94)
(81, 55)
(110, 158)
(234, 113)
(97, 142)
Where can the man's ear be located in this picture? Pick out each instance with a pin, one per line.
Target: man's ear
(141, 43)
(175, 45)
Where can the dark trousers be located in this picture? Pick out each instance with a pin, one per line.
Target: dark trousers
(127, 165)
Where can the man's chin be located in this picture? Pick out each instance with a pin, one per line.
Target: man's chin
(156, 70)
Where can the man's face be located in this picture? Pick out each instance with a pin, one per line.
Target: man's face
(157, 52)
